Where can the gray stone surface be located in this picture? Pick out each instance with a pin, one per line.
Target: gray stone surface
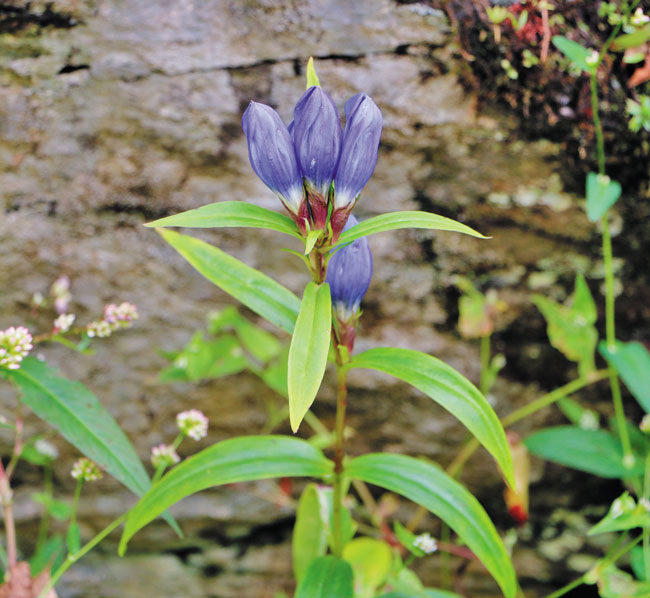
(134, 113)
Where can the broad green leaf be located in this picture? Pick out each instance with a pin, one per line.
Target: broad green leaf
(371, 562)
(79, 417)
(275, 374)
(227, 318)
(204, 359)
(235, 460)
(602, 194)
(255, 290)
(429, 486)
(632, 362)
(425, 593)
(309, 539)
(327, 577)
(308, 351)
(262, 345)
(230, 214)
(571, 327)
(632, 40)
(49, 554)
(624, 514)
(312, 78)
(576, 53)
(397, 220)
(448, 388)
(593, 451)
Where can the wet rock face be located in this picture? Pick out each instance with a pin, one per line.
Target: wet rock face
(116, 112)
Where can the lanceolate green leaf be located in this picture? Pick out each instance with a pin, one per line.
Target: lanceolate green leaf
(308, 351)
(632, 362)
(255, 290)
(602, 194)
(235, 460)
(309, 534)
(450, 389)
(327, 577)
(397, 220)
(230, 214)
(80, 418)
(429, 486)
(576, 53)
(593, 451)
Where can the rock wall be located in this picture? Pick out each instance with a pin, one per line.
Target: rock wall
(115, 112)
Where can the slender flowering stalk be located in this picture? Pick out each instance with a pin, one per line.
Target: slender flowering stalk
(163, 456)
(85, 470)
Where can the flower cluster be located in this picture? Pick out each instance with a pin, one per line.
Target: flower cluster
(313, 164)
(114, 318)
(60, 291)
(192, 423)
(63, 323)
(85, 470)
(15, 344)
(164, 455)
(425, 543)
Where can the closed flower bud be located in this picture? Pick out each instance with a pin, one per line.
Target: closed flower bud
(348, 274)
(317, 139)
(363, 123)
(272, 154)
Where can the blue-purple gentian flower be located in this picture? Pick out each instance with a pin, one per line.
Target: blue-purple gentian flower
(348, 274)
(300, 162)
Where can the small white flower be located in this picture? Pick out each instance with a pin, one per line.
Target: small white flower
(85, 470)
(63, 323)
(193, 423)
(589, 420)
(164, 455)
(99, 328)
(645, 503)
(425, 543)
(46, 448)
(15, 344)
(592, 59)
(639, 18)
(644, 426)
(121, 315)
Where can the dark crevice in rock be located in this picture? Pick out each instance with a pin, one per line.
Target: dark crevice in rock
(71, 68)
(16, 16)
(146, 212)
(273, 533)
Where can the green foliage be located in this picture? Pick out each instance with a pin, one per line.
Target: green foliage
(614, 583)
(56, 508)
(73, 538)
(581, 57)
(78, 416)
(407, 539)
(371, 562)
(639, 113)
(602, 194)
(240, 459)
(309, 539)
(632, 362)
(430, 487)
(49, 554)
(308, 351)
(571, 327)
(228, 214)
(399, 220)
(448, 388)
(255, 290)
(326, 577)
(594, 451)
(624, 514)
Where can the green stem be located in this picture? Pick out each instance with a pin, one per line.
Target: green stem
(485, 364)
(646, 531)
(73, 558)
(567, 588)
(339, 453)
